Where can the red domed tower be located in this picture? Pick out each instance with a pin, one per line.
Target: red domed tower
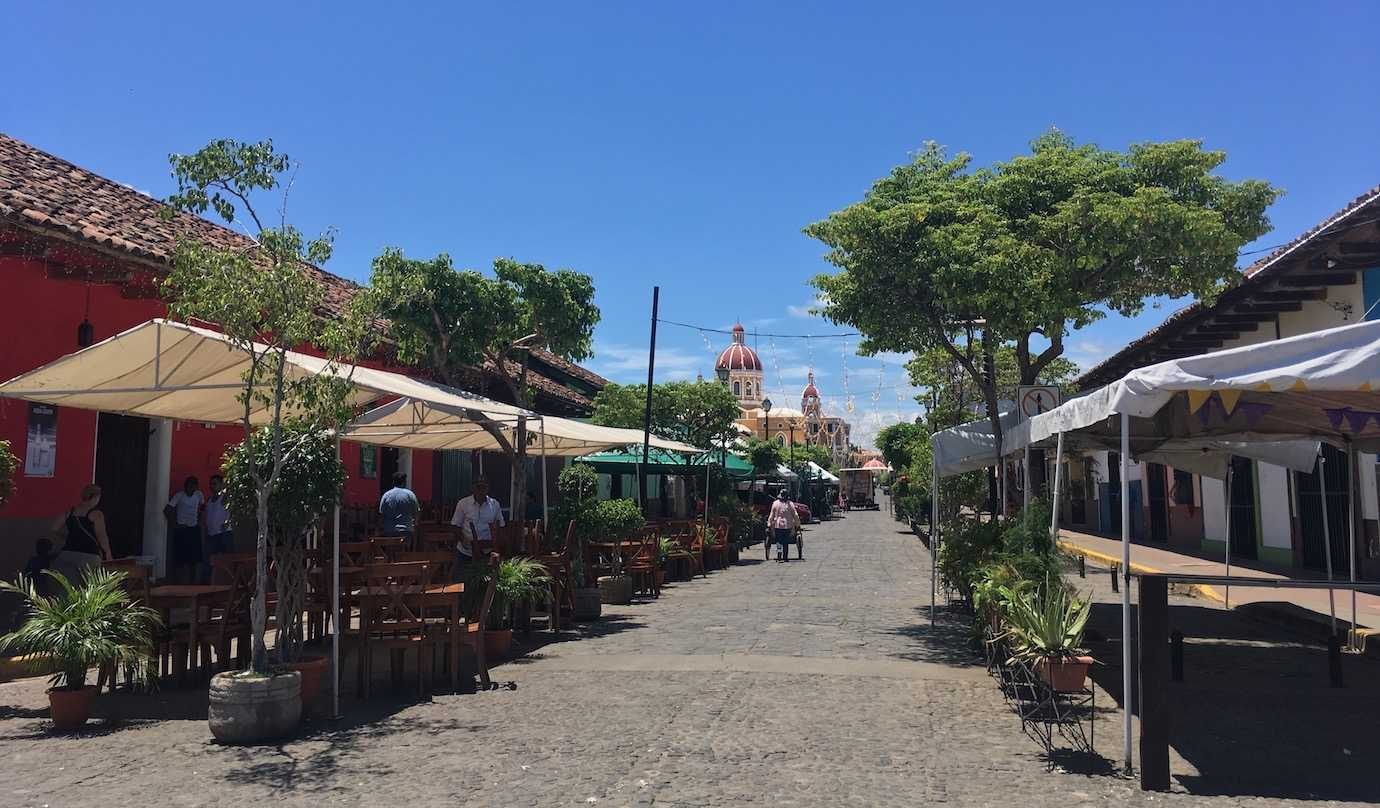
(744, 369)
(810, 408)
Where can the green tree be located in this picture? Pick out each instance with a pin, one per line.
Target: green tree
(895, 442)
(802, 453)
(454, 321)
(261, 292)
(764, 455)
(939, 255)
(951, 396)
(698, 413)
(8, 465)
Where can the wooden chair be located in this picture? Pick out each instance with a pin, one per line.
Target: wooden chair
(476, 620)
(508, 539)
(388, 547)
(356, 553)
(715, 556)
(392, 620)
(683, 553)
(644, 563)
(558, 565)
(435, 537)
(442, 562)
(136, 583)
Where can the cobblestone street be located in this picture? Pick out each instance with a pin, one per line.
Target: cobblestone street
(818, 682)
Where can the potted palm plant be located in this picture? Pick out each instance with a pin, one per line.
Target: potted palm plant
(665, 546)
(88, 625)
(1046, 629)
(521, 582)
(617, 519)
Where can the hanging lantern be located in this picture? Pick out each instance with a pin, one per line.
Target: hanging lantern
(86, 333)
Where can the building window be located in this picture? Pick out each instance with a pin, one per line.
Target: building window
(749, 389)
(1183, 488)
(738, 388)
(781, 438)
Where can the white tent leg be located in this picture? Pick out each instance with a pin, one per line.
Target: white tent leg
(1351, 502)
(545, 513)
(336, 628)
(1025, 484)
(1058, 483)
(1227, 499)
(1327, 539)
(934, 537)
(1126, 590)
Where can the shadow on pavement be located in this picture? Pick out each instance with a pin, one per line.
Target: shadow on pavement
(1255, 715)
(949, 641)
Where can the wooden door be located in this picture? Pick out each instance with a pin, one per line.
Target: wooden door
(1243, 527)
(122, 466)
(1158, 502)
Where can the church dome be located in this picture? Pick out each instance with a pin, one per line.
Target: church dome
(738, 356)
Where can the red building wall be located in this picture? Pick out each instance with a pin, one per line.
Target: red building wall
(39, 324)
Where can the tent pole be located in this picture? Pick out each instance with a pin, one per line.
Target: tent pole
(1230, 474)
(1352, 502)
(1327, 537)
(1126, 590)
(934, 533)
(545, 514)
(1025, 484)
(1058, 481)
(335, 604)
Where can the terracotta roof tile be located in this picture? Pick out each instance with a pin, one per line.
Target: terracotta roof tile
(41, 191)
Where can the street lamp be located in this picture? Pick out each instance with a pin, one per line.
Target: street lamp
(766, 408)
(722, 373)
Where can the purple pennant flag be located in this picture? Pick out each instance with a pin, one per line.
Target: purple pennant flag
(1356, 419)
(1205, 411)
(1334, 416)
(1253, 411)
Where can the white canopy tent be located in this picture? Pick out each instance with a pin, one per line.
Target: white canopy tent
(821, 473)
(1316, 386)
(166, 369)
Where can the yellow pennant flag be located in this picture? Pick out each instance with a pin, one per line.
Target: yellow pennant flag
(1197, 398)
(1229, 399)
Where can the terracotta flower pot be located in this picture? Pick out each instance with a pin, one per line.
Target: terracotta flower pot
(1064, 674)
(497, 642)
(313, 668)
(660, 578)
(70, 707)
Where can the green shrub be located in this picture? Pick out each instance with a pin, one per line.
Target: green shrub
(9, 464)
(618, 518)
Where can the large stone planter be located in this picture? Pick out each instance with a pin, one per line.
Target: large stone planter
(589, 604)
(248, 707)
(616, 589)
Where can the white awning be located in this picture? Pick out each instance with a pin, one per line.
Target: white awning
(166, 369)
(423, 424)
(821, 473)
(970, 446)
(1317, 386)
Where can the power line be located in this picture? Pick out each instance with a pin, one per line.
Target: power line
(762, 333)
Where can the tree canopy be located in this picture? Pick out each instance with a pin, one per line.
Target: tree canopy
(951, 396)
(698, 413)
(940, 255)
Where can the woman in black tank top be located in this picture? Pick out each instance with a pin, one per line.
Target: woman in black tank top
(84, 529)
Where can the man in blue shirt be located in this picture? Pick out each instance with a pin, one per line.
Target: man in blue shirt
(398, 509)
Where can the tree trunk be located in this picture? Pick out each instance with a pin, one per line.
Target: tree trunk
(258, 609)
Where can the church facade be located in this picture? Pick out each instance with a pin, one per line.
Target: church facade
(741, 369)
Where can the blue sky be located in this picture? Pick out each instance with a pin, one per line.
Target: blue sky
(686, 146)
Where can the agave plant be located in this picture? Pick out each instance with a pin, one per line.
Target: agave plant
(83, 626)
(1046, 623)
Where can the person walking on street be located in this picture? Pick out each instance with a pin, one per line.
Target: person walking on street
(783, 521)
(398, 508)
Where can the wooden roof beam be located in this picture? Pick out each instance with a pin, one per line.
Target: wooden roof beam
(1269, 309)
(1283, 296)
(1319, 279)
(1241, 318)
(1359, 247)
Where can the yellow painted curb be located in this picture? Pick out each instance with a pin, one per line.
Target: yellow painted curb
(1202, 590)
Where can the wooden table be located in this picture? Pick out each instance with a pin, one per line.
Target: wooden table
(444, 595)
(167, 598)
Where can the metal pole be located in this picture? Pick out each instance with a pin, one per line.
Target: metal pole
(647, 411)
(545, 512)
(335, 605)
(1026, 482)
(1227, 499)
(1126, 589)
(1327, 538)
(1352, 502)
(934, 534)
(1058, 481)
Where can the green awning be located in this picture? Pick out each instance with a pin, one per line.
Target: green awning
(660, 461)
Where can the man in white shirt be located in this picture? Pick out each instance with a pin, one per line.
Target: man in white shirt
(476, 517)
(217, 535)
(184, 511)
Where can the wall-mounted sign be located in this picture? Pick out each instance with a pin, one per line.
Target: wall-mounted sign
(40, 455)
(368, 461)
